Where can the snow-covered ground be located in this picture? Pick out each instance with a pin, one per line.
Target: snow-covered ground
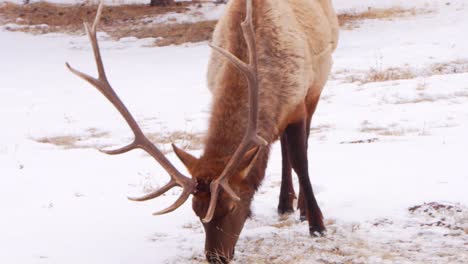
(376, 150)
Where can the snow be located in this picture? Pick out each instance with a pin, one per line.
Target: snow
(364, 5)
(68, 205)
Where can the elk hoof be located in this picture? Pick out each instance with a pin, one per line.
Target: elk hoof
(317, 230)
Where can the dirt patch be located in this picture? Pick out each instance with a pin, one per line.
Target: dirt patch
(138, 20)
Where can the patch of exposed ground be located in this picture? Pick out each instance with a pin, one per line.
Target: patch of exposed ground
(118, 21)
(72, 16)
(375, 75)
(429, 233)
(74, 141)
(183, 140)
(90, 138)
(379, 74)
(169, 34)
(140, 21)
(392, 129)
(351, 20)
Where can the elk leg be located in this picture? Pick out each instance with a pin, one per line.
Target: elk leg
(311, 107)
(297, 145)
(287, 194)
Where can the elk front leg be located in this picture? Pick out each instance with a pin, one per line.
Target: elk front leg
(296, 135)
(287, 194)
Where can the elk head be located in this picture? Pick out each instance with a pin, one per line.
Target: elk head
(223, 223)
(217, 185)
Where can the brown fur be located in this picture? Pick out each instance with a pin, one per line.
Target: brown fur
(295, 40)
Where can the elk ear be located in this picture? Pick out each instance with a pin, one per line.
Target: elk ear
(186, 158)
(248, 161)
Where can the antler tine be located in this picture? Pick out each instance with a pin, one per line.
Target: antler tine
(140, 141)
(251, 137)
(171, 184)
(180, 201)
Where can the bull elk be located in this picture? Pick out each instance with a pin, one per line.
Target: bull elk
(288, 46)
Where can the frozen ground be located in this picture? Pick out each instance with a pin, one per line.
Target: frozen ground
(378, 151)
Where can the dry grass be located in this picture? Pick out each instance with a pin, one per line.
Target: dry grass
(351, 20)
(72, 16)
(66, 142)
(452, 67)
(118, 21)
(74, 141)
(132, 20)
(389, 74)
(184, 140)
(393, 129)
(379, 74)
(169, 34)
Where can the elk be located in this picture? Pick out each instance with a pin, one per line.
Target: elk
(270, 62)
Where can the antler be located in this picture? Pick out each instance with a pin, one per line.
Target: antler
(140, 141)
(251, 138)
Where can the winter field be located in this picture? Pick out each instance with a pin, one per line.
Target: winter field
(388, 148)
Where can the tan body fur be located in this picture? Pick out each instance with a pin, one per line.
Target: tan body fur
(295, 41)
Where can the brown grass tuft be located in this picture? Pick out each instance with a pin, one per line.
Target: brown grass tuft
(170, 34)
(379, 74)
(184, 140)
(390, 74)
(73, 141)
(451, 67)
(350, 20)
(390, 130)
(66, 142)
